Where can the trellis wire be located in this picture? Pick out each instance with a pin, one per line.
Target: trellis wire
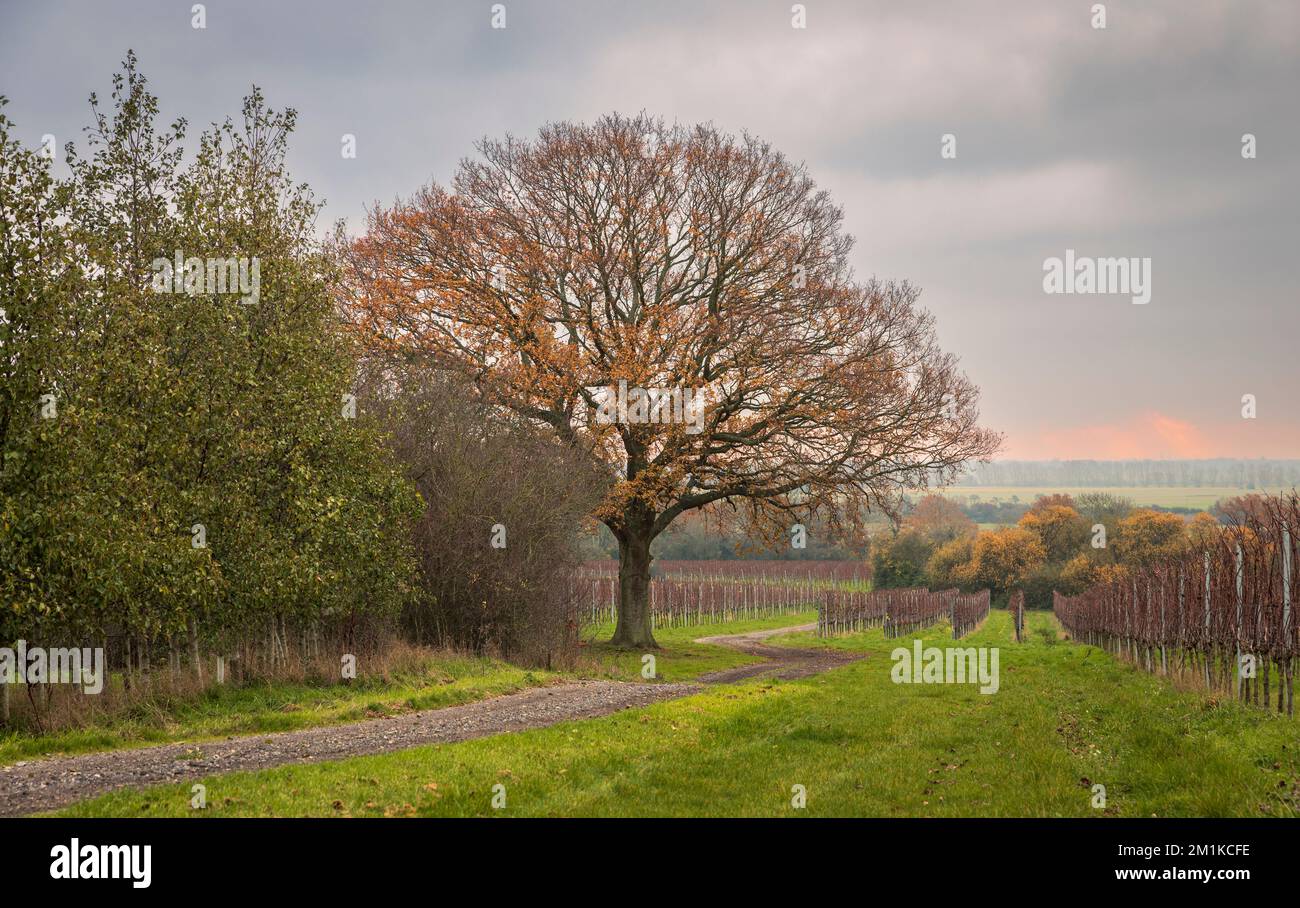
(681, 602)
(899, 611)
(1222, 615)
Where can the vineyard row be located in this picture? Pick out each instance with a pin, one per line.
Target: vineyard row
(900, 612)
(1222, 616)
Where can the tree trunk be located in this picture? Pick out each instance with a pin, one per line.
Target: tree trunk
(195, 659)
(633, 628)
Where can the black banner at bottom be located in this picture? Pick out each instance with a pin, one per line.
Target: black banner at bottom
(141, 858)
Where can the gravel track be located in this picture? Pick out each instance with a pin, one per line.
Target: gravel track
(55, 782)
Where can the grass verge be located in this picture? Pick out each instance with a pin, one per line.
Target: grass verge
(1066, 717)
(445, 679)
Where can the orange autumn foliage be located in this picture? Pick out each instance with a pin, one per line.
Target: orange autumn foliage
(669, 257)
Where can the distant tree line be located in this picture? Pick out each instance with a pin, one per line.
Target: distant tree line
(712, 537)
(1060, 543)
(1217, 472)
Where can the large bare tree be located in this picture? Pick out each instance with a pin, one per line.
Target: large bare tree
(627, 251)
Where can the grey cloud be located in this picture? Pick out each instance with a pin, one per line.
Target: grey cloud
(1117, 142)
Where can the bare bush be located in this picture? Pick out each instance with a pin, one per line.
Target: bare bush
(503, 503)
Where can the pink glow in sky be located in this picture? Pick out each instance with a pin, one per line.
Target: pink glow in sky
(1152, 435)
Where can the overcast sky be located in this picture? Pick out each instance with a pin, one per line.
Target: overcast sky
(1124, 141)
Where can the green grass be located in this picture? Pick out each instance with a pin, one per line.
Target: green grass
(444, 680)
(1201, 498)
(1066, 717)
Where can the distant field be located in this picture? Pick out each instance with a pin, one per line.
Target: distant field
(1201, 498)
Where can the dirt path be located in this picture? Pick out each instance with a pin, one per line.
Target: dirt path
(49, 784)
(58, 781)
(782, 661)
